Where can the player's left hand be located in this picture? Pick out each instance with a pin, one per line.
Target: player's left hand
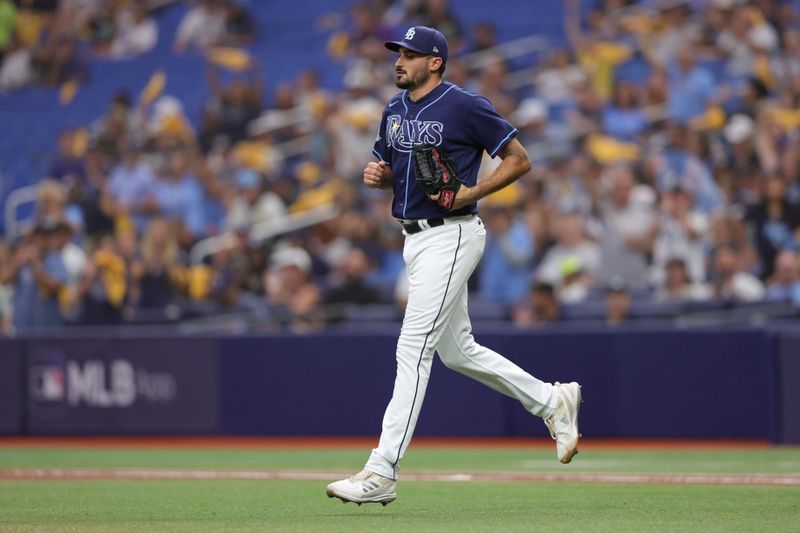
(464, 196)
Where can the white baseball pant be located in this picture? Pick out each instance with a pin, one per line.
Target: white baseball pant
(439, 262)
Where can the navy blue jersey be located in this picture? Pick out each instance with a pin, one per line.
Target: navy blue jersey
(460, 123)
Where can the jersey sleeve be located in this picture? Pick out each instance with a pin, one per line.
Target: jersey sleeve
(487, 127)
(381, 149)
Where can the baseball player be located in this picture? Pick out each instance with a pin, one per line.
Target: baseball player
(430, 133)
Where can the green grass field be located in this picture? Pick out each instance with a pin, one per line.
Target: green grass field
(273, 505)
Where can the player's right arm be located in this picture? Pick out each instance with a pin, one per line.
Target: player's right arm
(378, 175)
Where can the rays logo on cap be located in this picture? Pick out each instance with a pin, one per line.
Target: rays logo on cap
(409, 34)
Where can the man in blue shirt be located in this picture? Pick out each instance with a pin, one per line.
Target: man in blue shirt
(39, 274)
(691, 87)
(508, 260)
(442, 249)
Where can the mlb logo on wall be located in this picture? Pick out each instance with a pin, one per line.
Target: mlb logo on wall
(47, 383)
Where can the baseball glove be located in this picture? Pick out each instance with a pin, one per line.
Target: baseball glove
(436, 174)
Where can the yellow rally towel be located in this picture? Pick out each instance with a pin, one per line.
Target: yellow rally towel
(154, 87)
(316, 197)
(197, 281)
(113, 274)
(609, 150)
(600, 61)
(338, 45)
(230, 58)
(68, 91)
(787, 118)
(713, 119)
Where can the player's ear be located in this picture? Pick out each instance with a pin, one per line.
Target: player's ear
(435, 64)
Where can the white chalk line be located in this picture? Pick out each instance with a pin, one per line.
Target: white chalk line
(497, 477)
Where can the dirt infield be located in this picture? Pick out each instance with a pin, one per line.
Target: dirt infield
(490, 477)
(361, 442)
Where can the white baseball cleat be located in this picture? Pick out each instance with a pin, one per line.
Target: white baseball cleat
(563, 425)
(364, 487)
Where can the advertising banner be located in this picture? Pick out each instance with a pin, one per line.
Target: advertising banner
(10, 387)
(122, 386)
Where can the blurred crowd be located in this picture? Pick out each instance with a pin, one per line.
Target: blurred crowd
(664, 136)
(50, 42)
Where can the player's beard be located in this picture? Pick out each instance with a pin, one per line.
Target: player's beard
(412, 82)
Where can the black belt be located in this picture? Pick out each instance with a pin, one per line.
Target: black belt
(413, 226)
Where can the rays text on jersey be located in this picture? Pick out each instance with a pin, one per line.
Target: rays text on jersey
(402, 135)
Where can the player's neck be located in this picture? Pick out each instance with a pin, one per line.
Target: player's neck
(423, 90)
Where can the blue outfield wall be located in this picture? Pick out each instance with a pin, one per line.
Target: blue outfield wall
(698, 385)
(686, 384)
(788, 388)
(11, 386)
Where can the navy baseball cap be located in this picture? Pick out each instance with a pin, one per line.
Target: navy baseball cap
(423, 40)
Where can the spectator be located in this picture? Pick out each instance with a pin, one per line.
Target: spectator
(59, 61)
(202, 26)
(240, 29)
(629, 228)
(730, 282)
(623, 117)
(352, 128)
(178, 196)
(683, 232)
(773, 221)
(484, 37)
(136, 33)
(69, 167)
(155, 276)
(599, 51)
(38, 274)
(677, 166)
(291, 294)
(544, 139)
(74, 259)
(99, 25)
(558, 77)
(16, 70)
(493, 83)
(350, 285)
(130, 187)
(92, 198)
(575, 283)
(507, 263)
(237, 104)
(250, 204)
(571, 242)
(691, 87)
(784, 284)
(119, 126)
(674, 28)
(541, 309)
(678, 285)
(51, 202)
(618, 302)
(366, 24)
(103, 287)
(745, 34)
(740, 135)
(437, 14)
